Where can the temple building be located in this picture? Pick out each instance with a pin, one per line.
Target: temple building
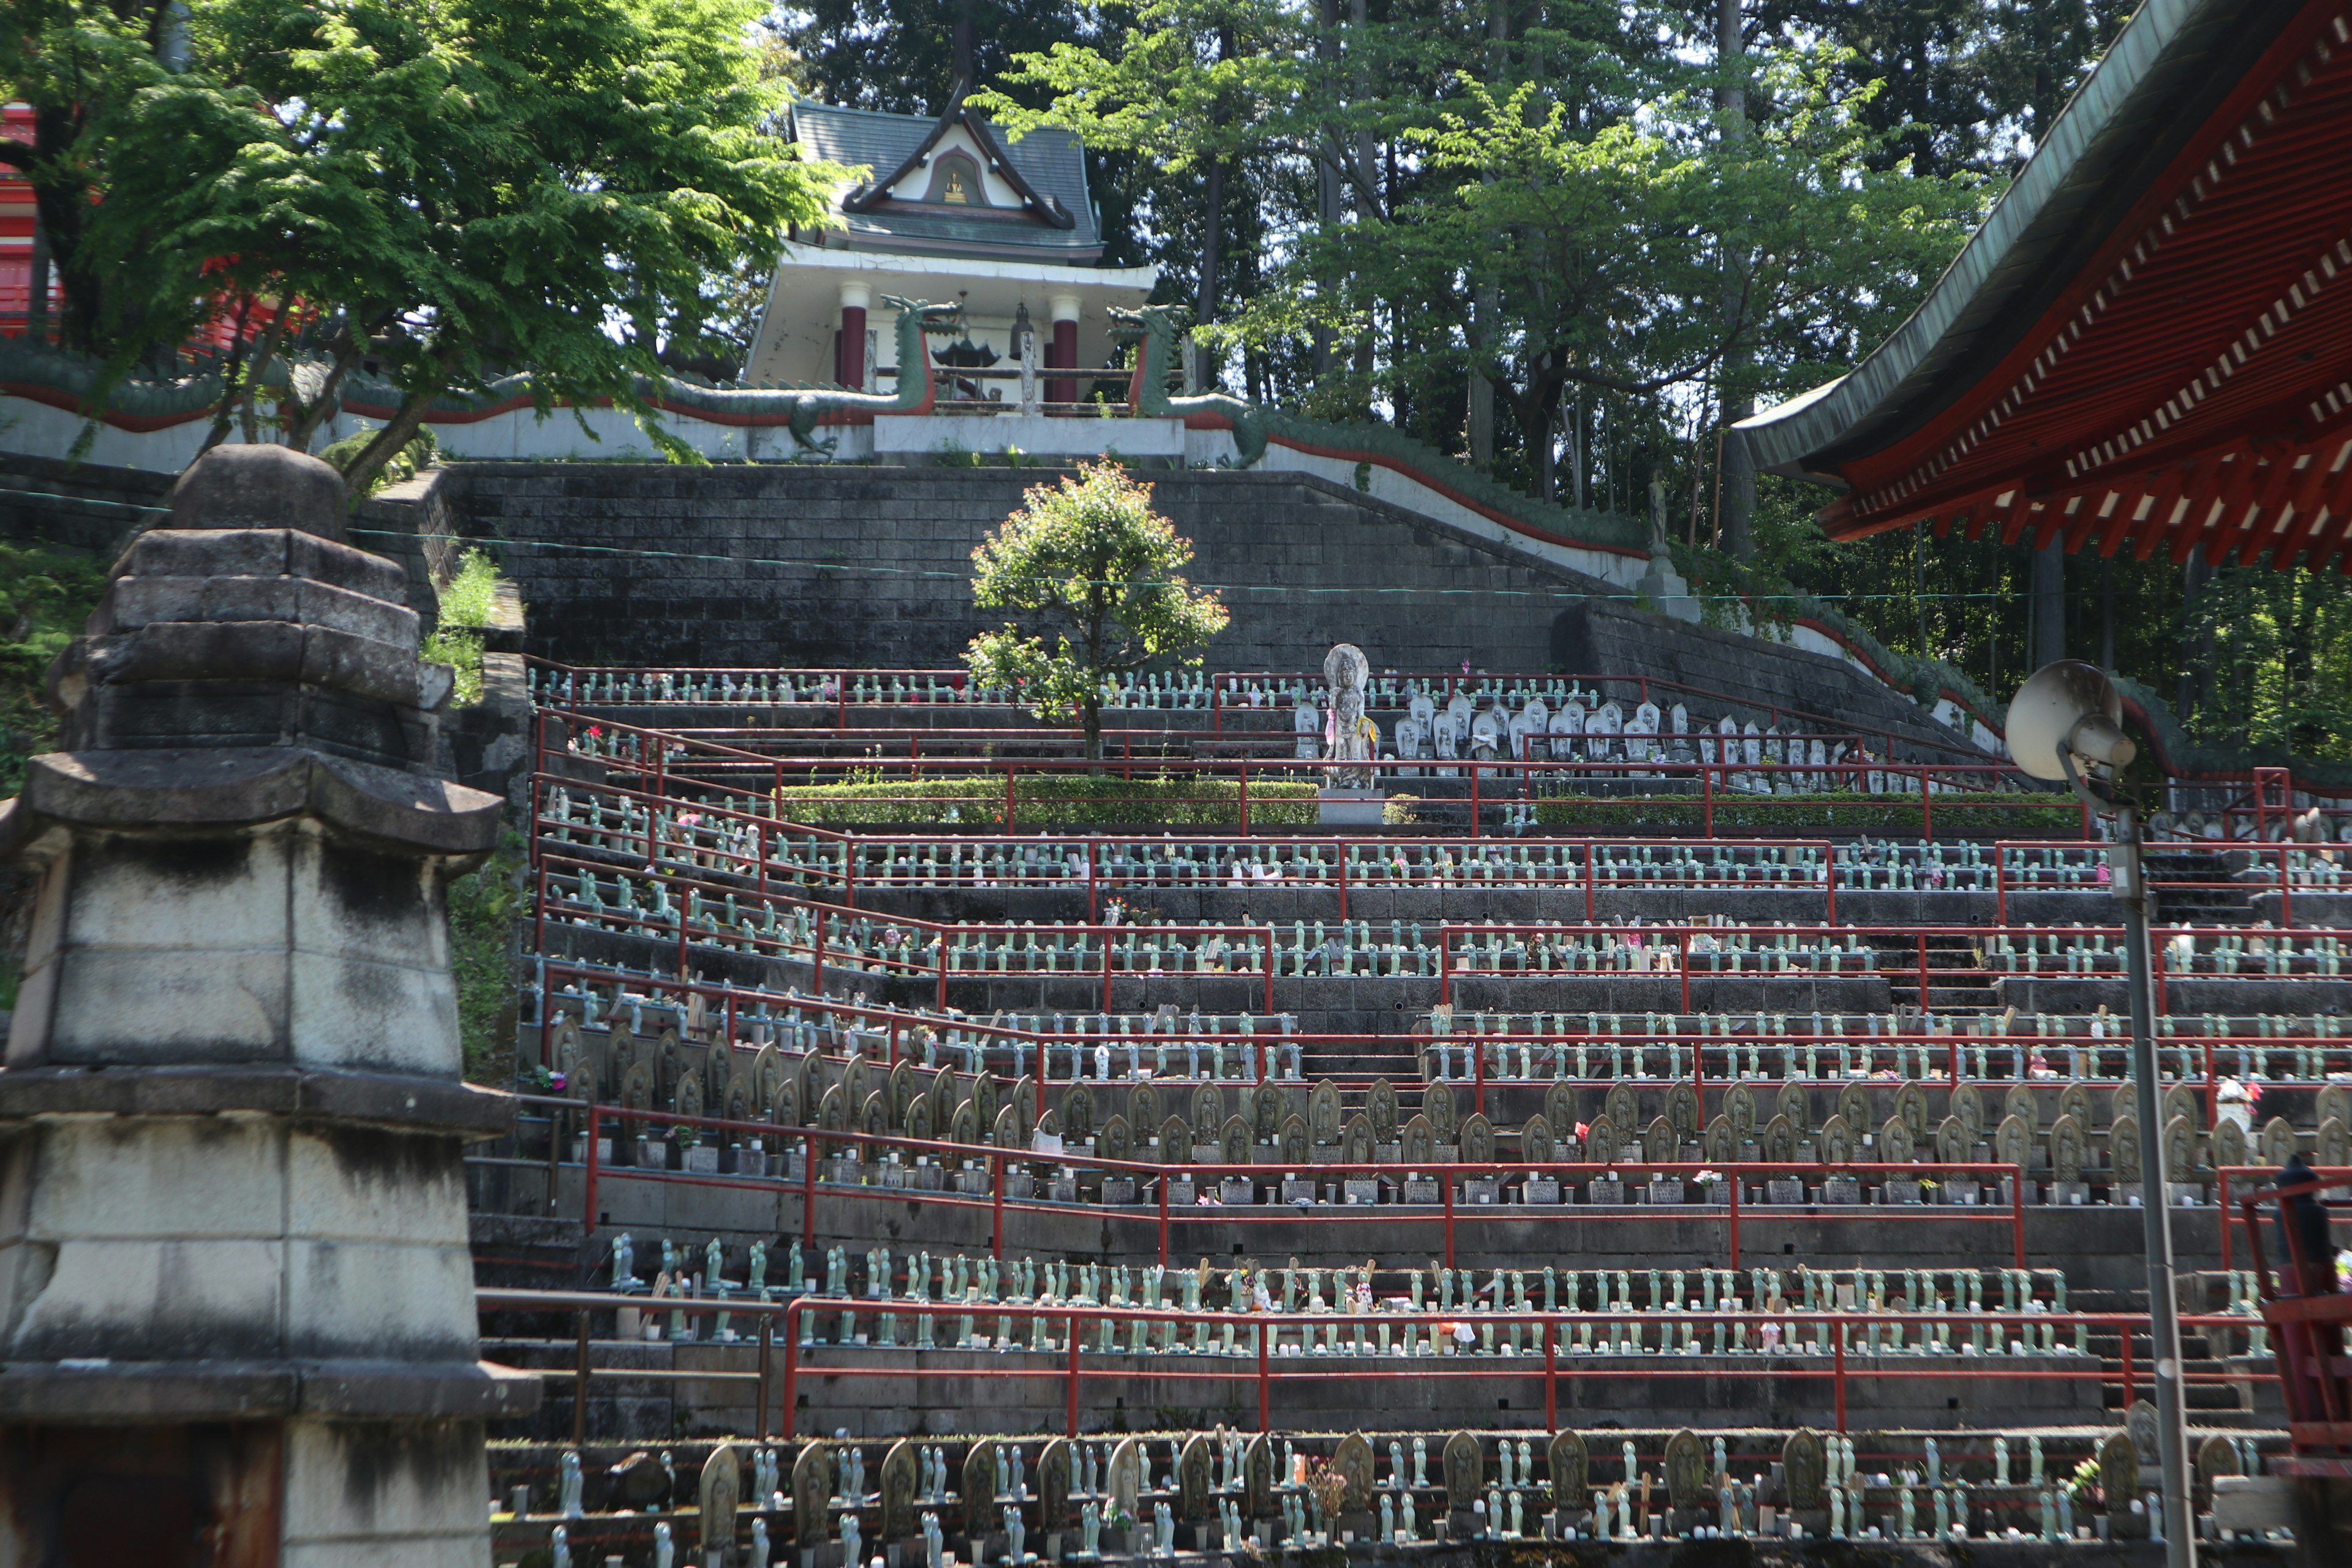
(944, 209)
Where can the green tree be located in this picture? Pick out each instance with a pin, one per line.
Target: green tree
(1089, 564)
(453, 191)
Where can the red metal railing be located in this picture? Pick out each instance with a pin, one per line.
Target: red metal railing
(815, 1141)
(1500, 788)
(1255, 1334)
(2309, 1320)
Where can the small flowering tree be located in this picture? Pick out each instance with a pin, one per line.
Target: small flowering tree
(1092, 577)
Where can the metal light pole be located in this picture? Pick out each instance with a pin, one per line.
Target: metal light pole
(2069, 711)
(2130, 888)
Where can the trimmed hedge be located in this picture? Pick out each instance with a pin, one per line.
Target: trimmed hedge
(1989, 816)
(1076, 800)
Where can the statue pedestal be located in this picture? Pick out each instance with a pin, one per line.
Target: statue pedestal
(1349, 807)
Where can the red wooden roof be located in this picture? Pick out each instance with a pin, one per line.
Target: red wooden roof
(2157, 351)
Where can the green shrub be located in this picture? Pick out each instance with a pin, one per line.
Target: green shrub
(1985, 815)
(457, 639)
(400, 467)
(45, 595)
(1073, 801)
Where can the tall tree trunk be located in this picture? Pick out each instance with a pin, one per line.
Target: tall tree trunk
(1213, 244)
(1326, 176)
(2049, 605)
(1482, 295)
(1737, 479)
(37, 299)
(2194, 658)
(2107, 614)
(406, 420)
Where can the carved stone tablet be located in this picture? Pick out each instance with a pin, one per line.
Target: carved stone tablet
(2020, 1103)
(1624, 1111)
(2278, 1141)
(1911, 1105)
(1780, 1140)
(1953, 1143)
(811, 1489)
(964, 1126)
(2119, 1475)
(1477, 1140)
(2181, 1100)
(2124, 1154)
(1836, 1141)
(1380, 1104)
(873, 1120)
(902, 1092)
(1740, 1104)
(2013, 1141)
(1894, 1140)
(2332, 1144)
(2066, 1148)
(919, 1117)
(1143, 1107)
(1536, 1146)
(978, 1477)
(1600, 1145)
(1007, 1132)
(1417, 1141)
(1297, 1147)
(984, 1101)
(1854, 1104)
(1686, 1459)
(2075, 1100)
(1195, 1479)
(1571, 1469)
(1444, 1116)
(1722, 1140)
(1967, 1104)
(2180, 1149)
(1560, 1108)
(1465, 1471)
(1123, 1477)
(1257, 1474)
(901, 1479)
(1208, 1106)
(2216, 1456)
(1682, 1109)
(1659, 1144)
(2229, 1142)
(1077, 1113)
(1175, 1141)
(721, 1491)
(1355, 1139)
(1233, 1141)
(1793, 1104)
(1353, 1459)
(1118, 1139)
(1054, 1484)
(1323, 1112)
(1267, 1113)
(2335, 1100)
(1804, 1462)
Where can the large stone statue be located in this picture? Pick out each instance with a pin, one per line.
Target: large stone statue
(244, 846)
(1351, 741)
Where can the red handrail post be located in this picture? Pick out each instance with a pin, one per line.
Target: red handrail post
(786, 1419)
(1446, 1182)
(1163, 1214)
(1473, 800)
(1265, 1332)
(588, 1183)
(808, 1190)
(1923, 973)
(2017, 1215)
(1241, 796)
(1477, 1076)
(1737, 1183)
(1551, 1331)
(1837, 1347)
(1706, 798)
(996, 1204)
(2125, 1336)
(1072, 1413)
(1269, 969)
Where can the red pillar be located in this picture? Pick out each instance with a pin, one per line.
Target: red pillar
(1063, 354)
(849, 348)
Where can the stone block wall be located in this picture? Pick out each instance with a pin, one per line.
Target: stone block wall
(871, 566)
